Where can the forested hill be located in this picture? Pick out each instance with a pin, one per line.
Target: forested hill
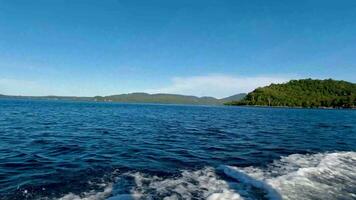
(304, 93)
(168, 99)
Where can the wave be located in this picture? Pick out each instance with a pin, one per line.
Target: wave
(189, 185)
(312, 176)
(200, 184)
(92, 195)
(316, 176)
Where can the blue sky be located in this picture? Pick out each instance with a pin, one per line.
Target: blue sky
(215, 48)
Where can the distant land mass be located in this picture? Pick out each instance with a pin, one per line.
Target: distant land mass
(307, 93)
(142, 98)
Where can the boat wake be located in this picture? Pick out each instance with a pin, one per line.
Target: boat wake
(91, 195)
(315, 176)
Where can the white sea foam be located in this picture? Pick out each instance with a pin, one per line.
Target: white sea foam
(200, 184)
(92, 195)
(318, 176)
(295, 177)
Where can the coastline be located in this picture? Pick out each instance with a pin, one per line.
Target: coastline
(85, 99)
(294, 107)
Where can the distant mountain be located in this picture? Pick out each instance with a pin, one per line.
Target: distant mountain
(303, 93)
(164, 99)
(143, 98)
(236, 97)
(48, 97)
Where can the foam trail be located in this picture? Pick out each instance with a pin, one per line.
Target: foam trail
(200, 184)
(246, 179)
(327, 176)
(302, 177)
(93, 195)
(189, 185)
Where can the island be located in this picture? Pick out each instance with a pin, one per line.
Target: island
(306, 93)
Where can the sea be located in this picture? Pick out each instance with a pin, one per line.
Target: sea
(71, 150)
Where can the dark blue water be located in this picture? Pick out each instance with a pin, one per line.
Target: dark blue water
(86, 150)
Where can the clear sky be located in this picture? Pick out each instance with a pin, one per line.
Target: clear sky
(215, 48)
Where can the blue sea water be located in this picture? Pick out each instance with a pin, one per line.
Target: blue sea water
(94, 151)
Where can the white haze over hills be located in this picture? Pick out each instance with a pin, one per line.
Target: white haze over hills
(217, 85)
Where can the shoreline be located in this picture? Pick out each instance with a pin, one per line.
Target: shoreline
(295, 107)
(158, 103)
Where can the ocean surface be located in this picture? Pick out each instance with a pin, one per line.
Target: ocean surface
(62, 150)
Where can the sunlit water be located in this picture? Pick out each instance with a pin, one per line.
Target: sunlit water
(95, 151)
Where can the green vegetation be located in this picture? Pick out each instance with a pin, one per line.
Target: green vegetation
(236, 97)
(157, 98)
(306, 93)
(167, 99)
